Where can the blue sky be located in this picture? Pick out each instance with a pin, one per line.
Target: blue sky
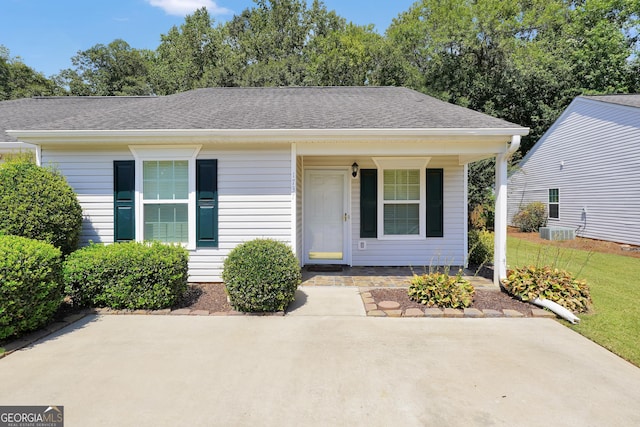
(45, 34)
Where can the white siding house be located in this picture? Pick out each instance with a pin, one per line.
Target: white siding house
(586, 170)
(360, 176)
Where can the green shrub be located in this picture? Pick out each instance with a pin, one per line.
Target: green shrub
(481, 244)
(529, 283)
(441, 290)
(261, 276)
(31, 288)
(531, 217)
(37, 203)
(127, 275)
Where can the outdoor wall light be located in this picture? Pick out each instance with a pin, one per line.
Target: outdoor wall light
(354, 169)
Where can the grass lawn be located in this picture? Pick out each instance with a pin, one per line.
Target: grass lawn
(614, 281)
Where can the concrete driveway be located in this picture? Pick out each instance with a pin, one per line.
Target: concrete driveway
(322, 370)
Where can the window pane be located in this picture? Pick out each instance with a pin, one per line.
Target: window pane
(401, 184)
(166, 223)
(166, 180)
(554, 195)
(554, 210)
(402, 219)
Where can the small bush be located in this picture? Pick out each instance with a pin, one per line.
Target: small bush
(482, 217)
(529, 283)
(441, 290)
(31, 287)
(261, 276)
(481, 244)
(531, 217)
(37, 203)
(127, 275)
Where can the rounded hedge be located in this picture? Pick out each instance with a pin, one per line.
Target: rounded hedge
(31, 288)
(37, 203)
(127, 275)
(261, 275)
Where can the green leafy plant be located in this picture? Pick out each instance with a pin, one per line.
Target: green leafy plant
(481, 245)
(261, 275)
(37, 203)
(531, 217)
(127, 275)
(441, 290)
(529, 283)
(31, 288)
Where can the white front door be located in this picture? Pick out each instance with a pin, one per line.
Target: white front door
(326, 219)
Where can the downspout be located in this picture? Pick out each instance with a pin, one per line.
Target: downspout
(38, 155)
(500, 242)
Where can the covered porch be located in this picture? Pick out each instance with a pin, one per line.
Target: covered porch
(377, 277)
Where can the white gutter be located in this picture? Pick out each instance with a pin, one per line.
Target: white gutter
(267, 135)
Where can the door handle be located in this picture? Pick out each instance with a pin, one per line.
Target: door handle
(346, 217)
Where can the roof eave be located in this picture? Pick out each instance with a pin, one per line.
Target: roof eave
(255, 135)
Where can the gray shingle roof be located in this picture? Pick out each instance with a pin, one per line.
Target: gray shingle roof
(36, 113)
(630, 100)
(248, 108)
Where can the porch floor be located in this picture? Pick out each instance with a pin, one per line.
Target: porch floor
(378, 277)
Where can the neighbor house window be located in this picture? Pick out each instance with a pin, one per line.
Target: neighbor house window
(165, 199)
(554, 203)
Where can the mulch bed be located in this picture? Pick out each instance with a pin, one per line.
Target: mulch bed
(212, 297)
(205, 296)
(483, 299)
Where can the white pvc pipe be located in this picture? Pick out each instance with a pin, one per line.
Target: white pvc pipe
(557, 309)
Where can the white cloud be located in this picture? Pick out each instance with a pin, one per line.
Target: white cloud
(185, 7)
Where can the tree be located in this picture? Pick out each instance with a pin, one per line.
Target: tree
(521, 61)
(344, 57)
(113, 70)
(17, 80)
(188, 56)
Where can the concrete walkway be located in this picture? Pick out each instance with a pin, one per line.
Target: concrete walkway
(312, 369)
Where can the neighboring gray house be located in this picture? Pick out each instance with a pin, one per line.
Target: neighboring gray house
(586, 169)
(368, 176)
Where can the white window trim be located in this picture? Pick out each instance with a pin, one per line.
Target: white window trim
(142, 153)
(419, 163)
(549, 203)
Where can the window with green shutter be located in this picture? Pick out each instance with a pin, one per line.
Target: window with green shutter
(401, 203)
(207, 203)
(124, 190)
(368, 203)
(164, 206)
(435, 203)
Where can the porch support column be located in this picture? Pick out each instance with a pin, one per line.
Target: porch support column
(500, 244)
(294, 200)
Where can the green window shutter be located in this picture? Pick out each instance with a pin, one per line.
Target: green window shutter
(368, 203)
(124, 184)
(435, 205)
(207, 203)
